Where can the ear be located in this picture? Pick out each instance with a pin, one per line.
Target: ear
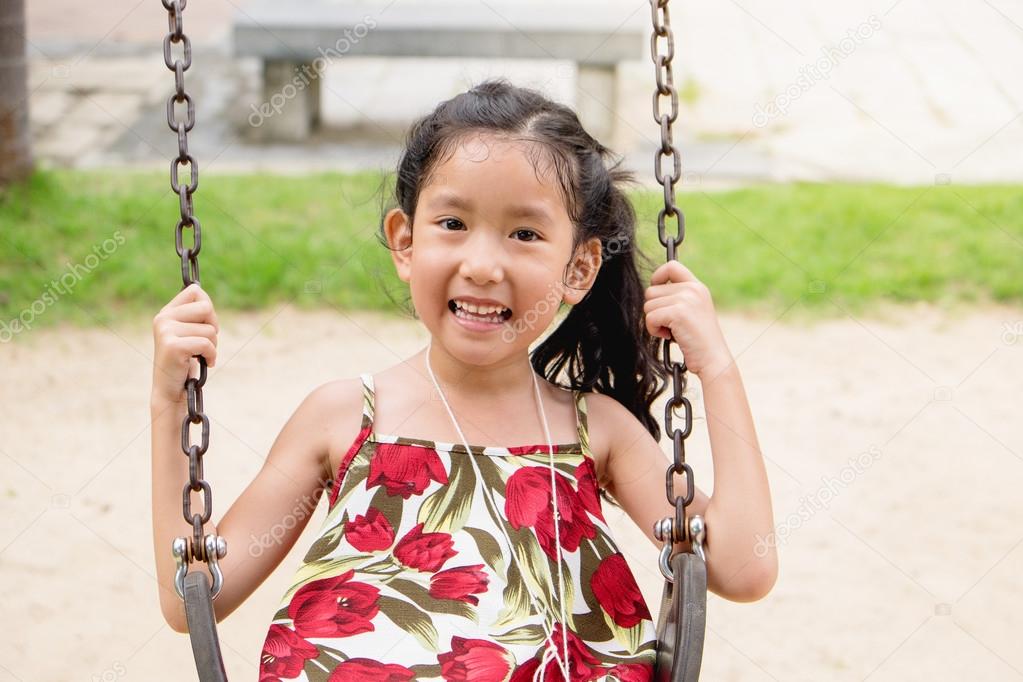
(582, 271)
(399, 238)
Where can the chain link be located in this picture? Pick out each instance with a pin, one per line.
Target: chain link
(666, 87)
(189, 255)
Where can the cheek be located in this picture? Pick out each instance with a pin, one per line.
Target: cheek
(427, 285)
(547, 283)
(425, 297)
(543, 299)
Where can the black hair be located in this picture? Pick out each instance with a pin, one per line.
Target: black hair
(602, 344)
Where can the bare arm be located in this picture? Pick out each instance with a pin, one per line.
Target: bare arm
(739, 567)
(271, 513)
(264, 522)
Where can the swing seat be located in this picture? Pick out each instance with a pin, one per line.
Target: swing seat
(680, 637)
(202, 628)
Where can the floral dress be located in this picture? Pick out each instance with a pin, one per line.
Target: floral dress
(432, 563)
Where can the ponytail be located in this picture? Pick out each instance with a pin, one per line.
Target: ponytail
(603, 344)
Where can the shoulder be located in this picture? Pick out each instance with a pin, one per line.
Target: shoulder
(334, 410)
(337, 397)
(608, 422)
(606, 410)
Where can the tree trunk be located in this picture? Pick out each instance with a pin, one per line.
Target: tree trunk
(15, 147)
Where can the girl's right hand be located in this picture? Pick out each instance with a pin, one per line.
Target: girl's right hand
(184, 327)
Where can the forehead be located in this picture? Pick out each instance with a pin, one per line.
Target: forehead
(446, 198)
(486, 171)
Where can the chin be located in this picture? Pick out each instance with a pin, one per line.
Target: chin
(475, 352)
(473, 348)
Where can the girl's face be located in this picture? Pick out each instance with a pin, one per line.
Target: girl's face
(489, 226)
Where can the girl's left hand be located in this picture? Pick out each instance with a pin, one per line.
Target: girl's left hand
(679, 306)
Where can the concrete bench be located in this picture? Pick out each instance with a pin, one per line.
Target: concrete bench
(297, 39)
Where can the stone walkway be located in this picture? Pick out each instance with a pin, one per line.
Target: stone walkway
(899, 90)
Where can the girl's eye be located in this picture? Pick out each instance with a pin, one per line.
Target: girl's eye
(531, 235)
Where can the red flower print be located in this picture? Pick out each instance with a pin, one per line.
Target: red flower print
(581, 661)
(525, 672)
(582, 665)
(284, 654)
(459, 583)
(369, 533)
(632, 672)
(424, 551)
(359, 669)
(334, 607)
(405, 470)
(531, 450)
(475, 660)
(335, 485)
(528, 503)
(587, 482)
(615, 588)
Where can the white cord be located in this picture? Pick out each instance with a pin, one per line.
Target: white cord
(541, 671)
(557, 531)
(550, 647)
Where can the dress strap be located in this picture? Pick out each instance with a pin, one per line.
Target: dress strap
(368, 400)
(580, 420)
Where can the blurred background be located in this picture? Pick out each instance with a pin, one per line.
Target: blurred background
(851, 183)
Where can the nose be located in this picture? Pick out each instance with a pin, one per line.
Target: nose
(481, 260)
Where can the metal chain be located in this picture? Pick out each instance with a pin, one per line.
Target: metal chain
(189, 274)
(679, 525)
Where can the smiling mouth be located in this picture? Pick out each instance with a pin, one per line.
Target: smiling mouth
(495, 318)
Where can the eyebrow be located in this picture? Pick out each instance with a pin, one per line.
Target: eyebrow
(518, 211)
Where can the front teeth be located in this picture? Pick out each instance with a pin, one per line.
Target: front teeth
(481, 309)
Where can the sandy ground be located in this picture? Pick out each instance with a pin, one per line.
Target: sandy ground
(893, 445)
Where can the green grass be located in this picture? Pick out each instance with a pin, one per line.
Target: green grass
(852, 247)
(271, 239)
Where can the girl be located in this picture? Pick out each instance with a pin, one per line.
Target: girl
(464, 537)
